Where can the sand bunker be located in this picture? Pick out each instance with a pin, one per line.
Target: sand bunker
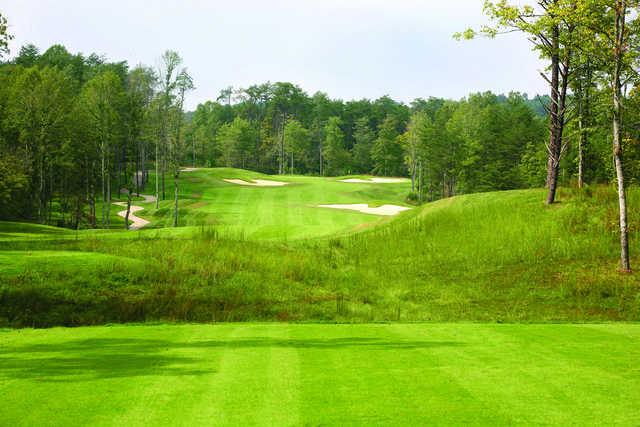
(375, 180)
(189, 169)
(387, 210)
(257, 182)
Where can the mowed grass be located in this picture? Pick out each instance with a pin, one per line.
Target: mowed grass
(276, 213)
(309, 374)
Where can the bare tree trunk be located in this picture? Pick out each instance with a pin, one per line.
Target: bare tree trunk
(136, 173)
(78, 214)
(50, 194)
(164, 168)
(617, 132)
(553, 161)
(413, 177)
(104, 184)
(119, 172)
(92, 198)
(581, 144)
(175, 200)
(283, 158)
(126, 216)
(143, 165)
(157, 174)
(41, 190)
(108, 201)
(420, 181)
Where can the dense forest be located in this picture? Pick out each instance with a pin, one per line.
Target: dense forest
(76, 129)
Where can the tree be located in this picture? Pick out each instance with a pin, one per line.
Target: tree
(13, 183)
(39, 108)
(620, 59)
(614, 40)
(28, 56)
(184, 83)
(419, 125)
(387, 152)
(225, 95)
(101, 102)
(236, 141)
(363, 143)
(334, 153)
(297, 139)
(168, 71)
(583, 86)
(288, 101)
(140, 90)
(5, 37)
(551, 28)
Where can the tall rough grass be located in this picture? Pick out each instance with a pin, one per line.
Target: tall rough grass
(484, 257)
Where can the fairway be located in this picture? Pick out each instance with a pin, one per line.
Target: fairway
(313, 374)
(290, 211)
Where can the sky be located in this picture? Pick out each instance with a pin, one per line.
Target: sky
(350, 49)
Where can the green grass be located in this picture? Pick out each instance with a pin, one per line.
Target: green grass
(43, 261)
(255, 254)
(275, 213)
(306, 374)
(484, 257)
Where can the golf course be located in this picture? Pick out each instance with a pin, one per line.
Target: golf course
(271, 254)
(320, 213)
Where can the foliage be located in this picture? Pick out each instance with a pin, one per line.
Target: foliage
(5, 37)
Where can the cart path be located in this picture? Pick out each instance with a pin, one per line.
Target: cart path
(138, 222)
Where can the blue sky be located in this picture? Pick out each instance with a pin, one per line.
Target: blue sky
(349, 48)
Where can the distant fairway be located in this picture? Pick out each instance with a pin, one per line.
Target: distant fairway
(287, 212)
(282, 374)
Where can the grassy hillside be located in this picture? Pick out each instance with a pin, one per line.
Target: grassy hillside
(484, 257)
(285, 374)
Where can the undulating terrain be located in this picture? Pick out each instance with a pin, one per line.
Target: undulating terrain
(270, 253)
(265, 254)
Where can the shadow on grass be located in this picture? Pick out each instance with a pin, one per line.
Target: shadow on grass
(102, 358)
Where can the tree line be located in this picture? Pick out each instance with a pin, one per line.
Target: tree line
(481, 143)
(76, 130)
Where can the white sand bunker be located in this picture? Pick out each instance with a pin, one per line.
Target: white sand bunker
(257, 182)
(189, 169)
(386, 210)
(375, 180)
